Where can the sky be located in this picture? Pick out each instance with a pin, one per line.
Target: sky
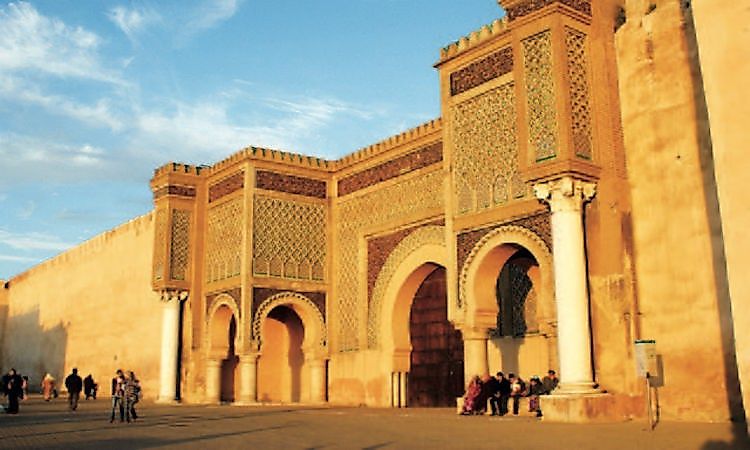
(94, 95)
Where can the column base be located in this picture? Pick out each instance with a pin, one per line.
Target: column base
(580, 408)
(584, 388)
(166, 401)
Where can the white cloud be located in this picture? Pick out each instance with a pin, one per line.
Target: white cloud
(210, 14)
(133, 21)
(29, 158)
(99, 114)
(32, 241)
(32, 42)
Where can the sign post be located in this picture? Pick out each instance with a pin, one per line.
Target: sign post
(646, 366)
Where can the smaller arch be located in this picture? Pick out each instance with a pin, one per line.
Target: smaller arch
(213, 335)
(312, 318)
(477, 278)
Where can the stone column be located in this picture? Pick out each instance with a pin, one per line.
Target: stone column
(317, 369)
(475, 353)
(248, 378)
(402, 389)
(213, 379)
(170, 343)
(566, 197)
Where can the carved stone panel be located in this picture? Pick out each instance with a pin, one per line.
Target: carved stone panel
(224, 240)
(477, 73)
(289, 238)
(580, 120)
(180, 248)
(540, 94)
(485, 151)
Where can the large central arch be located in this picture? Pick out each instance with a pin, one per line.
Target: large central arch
(416, 258)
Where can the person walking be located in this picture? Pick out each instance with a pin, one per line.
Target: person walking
(74, 385)
(90, 387)
(132, 395)
(118, 394)
(14, 389)
(48, 387)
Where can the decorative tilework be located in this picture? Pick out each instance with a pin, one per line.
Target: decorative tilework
(530, 6)
(180, 248)
(226, 186)
(160, 243)
(575, 42)
(477, 73)
(485, 150)
(289, 238)
(408, 198)
(291, 184)
(540, 92)
(402, 165)
(181, 191)
(224, 240)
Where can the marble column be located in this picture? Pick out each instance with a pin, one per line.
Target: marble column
(566, 197)
(170, 343)
(213, 379)
(248, 378)
(475, 353)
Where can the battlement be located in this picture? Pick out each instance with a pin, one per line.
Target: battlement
(474, 39)
(412, 134)
(266, 154)
(173, 167)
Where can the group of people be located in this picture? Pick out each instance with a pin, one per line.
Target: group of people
(126, 392)
(499, 390)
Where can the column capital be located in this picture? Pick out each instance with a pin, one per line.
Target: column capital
(565, 193)
(176, 295)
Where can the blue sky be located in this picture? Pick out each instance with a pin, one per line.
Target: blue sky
(95, 94)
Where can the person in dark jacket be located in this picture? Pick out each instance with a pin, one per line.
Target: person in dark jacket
(14, 388)
(90, 387)
(74, 385)
(493, 389)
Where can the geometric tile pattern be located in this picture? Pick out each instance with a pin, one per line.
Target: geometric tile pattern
(180, 249)
(580, 120)
(485, 150)
(540, 92)
(289, 238)
(224, 240)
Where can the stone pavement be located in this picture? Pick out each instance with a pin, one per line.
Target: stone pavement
(51, 426)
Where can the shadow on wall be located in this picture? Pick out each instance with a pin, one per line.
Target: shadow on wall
(33, 350)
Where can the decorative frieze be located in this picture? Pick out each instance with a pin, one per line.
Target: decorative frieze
(402, 165)
(539, 224)
(527, 7)
(226, 186)
(234, 293)
(261, 294)
(290, 184)
(477, 73)
(178, 190)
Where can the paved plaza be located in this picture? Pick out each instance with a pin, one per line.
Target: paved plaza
(50, 426)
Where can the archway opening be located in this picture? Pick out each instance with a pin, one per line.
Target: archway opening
(436, 371)
(281, 364)
(522, 348)
(223, 337)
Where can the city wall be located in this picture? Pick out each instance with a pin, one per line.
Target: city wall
(91, 307)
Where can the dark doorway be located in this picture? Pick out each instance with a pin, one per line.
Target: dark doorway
(229, 365)
(437, 357)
